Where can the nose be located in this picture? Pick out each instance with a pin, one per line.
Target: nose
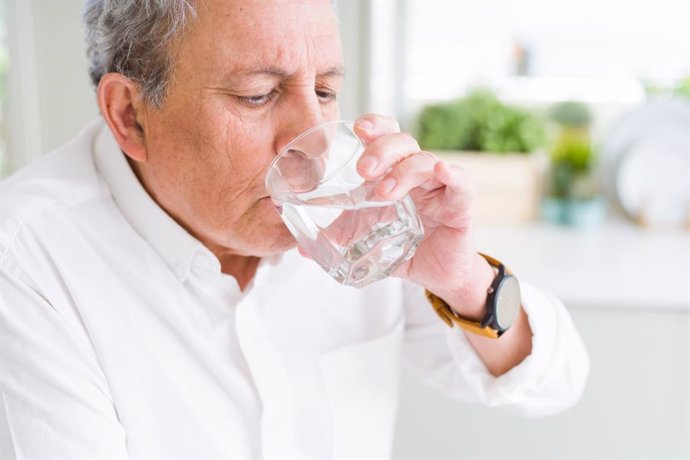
(302, 150)
(301, 113)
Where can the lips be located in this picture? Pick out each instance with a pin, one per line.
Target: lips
(268, 197)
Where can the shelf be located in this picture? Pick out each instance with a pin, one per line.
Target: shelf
(617, 266)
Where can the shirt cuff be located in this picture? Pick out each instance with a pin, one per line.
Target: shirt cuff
(550, 379)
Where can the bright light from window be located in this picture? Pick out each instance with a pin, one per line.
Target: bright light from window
(539, 51)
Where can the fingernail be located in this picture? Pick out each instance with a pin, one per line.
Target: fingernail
(387, 185)
(369, 164)
(366, 125)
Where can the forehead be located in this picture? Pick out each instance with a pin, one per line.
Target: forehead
(233, 35)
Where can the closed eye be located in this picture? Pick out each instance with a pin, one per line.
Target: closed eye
(326, 96)
(256, 101)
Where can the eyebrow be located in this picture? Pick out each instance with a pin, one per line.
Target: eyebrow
(276, 72)
(336, 71)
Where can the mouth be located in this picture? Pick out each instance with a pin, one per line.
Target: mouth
(268, 198)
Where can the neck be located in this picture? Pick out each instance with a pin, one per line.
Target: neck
(242, 268)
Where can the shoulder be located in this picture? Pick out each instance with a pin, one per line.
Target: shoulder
(62, 179)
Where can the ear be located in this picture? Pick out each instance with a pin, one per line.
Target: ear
(121, 105)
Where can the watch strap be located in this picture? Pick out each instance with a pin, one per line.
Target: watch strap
(451, 317)
(495, 263)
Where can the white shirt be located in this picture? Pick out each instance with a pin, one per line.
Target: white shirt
(120, 336)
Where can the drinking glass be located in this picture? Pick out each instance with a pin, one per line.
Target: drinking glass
(332, 211)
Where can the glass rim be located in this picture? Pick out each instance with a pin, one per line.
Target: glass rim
(301, 136)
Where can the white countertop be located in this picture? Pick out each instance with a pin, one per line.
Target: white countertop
(618, 265)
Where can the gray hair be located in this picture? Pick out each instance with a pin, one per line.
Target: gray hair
(135, 38)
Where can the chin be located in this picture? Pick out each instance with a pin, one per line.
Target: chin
(277, 240)
(272, 236)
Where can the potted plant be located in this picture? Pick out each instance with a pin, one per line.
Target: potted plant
(573, 195)
(479, 123)
(494, 141)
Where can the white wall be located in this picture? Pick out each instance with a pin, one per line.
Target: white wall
(50, 97)
(355, 35)
(635, 405)
(67, 98)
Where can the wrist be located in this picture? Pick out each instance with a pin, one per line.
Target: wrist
(469, 301)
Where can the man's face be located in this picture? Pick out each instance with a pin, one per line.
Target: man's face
(248, 77)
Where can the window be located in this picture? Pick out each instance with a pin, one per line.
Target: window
(528, 51)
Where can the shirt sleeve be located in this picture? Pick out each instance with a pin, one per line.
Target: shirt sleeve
(552, 378)
(54, 400)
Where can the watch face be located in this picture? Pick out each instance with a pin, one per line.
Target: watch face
(507, 302)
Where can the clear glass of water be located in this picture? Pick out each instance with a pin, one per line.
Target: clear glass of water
(332, 211)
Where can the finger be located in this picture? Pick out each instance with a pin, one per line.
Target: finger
(303, 252)
(384, 152)
(460, 185)
(414, 171)
(372, 126)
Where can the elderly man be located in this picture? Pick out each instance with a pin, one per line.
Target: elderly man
(151, 300)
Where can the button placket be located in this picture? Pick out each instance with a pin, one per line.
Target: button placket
(271, 380)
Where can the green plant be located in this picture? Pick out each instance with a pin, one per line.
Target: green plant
(572, 162)
(479, 122)
(682, 89)
(573, 157)
(571, 114)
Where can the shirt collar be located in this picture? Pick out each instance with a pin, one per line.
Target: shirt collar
(174, 244)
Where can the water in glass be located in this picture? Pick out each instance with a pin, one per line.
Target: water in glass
(356, 240)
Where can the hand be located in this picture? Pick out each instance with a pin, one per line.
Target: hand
(446, 261)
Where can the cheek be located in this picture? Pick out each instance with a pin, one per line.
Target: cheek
(332, 112)
(247, 152)
(225, 154)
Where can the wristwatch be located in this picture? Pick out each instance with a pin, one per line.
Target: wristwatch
(502, 305)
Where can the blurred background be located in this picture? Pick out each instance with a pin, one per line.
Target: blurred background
(574, 118)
